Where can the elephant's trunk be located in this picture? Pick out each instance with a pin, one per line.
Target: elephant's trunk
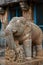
(2, 34)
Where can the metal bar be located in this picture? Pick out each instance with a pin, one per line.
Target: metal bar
(40, 25)
(35, 14)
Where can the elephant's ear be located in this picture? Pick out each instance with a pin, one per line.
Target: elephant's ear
(28, 24)
(23, 22)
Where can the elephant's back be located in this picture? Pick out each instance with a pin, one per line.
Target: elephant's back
(36, 31)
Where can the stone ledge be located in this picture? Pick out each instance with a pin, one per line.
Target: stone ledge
(32, 61)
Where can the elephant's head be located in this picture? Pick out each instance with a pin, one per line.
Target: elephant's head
(16, 25)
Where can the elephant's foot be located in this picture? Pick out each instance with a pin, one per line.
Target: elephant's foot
(39, 54)
(39, 57)
(28, 58)
(39, 51)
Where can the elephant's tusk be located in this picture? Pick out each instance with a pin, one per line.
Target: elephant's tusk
(27, 36)
(14, 31)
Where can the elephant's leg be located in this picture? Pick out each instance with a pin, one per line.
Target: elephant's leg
(27, 48)
(39, 45)
(33, 50)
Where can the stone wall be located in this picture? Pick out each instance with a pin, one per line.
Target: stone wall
(28, 14)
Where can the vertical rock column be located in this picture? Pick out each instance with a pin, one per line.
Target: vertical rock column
(4, 19)
(28, 14)
(27, 46)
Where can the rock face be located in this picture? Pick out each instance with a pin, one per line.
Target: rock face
(26, 33)
(12, 56)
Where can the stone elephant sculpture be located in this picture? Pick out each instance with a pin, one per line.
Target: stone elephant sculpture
(26, 32)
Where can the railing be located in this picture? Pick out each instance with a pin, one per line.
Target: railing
(11, 0)
(5, 2)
